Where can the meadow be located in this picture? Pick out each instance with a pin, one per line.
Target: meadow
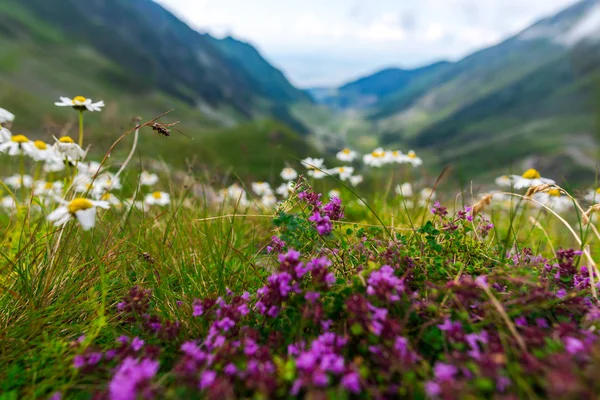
(122, 278)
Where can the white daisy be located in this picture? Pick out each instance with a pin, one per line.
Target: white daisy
(261, 188)
(343, 172)
(554, 199)
(334, 193)
(355, 180)
(9, 203)
(285, 189)
(268, 200)
(395, 156)
(235, 191)
(148, 179)
(17, 145)
(504, 181)
(531, 177)
(80, 103)
(68, 149)
(317, 173)
(425, 194)
(43, 188)
(107, 182)
(289, 174)
(404, 190)
(158, 198)
(18, 181)
(412, 158)
(112, 200)
(138, 204)
(6, 116)
(5, 135)
(55, 163)
(313, 163)
(376, 158)
(347, 155)
(593, 196)
(82, 209)
(89, 168)
(42, 151)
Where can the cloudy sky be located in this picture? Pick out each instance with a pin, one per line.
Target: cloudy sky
(328, 42)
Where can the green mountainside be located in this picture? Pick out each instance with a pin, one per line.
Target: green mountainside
(142, 60)
(530, 100)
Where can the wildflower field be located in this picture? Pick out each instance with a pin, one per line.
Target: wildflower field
(121, 279)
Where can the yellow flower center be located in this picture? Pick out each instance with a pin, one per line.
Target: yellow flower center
(598, 191)
(48, 185)
(554, 192)
(395, 153)
(157, 195)
(531, 174)
(341, 170)
(66, 139)
(412, 154)
(106, 196)
(40, 145)
(377, 154)
(346, 151)
(78, 99)
(19, 139)
(79, 204)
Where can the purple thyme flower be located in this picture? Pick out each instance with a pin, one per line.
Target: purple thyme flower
(94, 358)
(323, 224)
(384, 284)
(334, 209)
(573, 345)
(276, 245)
(439, 210)
(137, 343)
(56, 396)
(131, 378)
(351, 382)
(432, 389)
(312, 198)
(444, 372)
(79, 361)
(207, 378)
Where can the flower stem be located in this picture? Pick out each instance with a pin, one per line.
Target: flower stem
(81, 128)
(22, 172)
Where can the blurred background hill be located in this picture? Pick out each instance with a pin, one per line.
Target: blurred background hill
(530, 100)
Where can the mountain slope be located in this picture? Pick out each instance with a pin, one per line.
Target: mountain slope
(145, 48)
(372, 89)
(141, 60)
(525, 101)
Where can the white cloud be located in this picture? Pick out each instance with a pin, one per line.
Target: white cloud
(326, 42)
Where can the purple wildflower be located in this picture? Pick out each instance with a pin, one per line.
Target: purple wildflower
(323, 224)
(334, 209)
(384, 284)
(79, 361)
(132, 378)
(444, 372)
(207, 378)
(276, 245)
(439, 210)
(137, 343)
(573, 345)
(351, 382)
